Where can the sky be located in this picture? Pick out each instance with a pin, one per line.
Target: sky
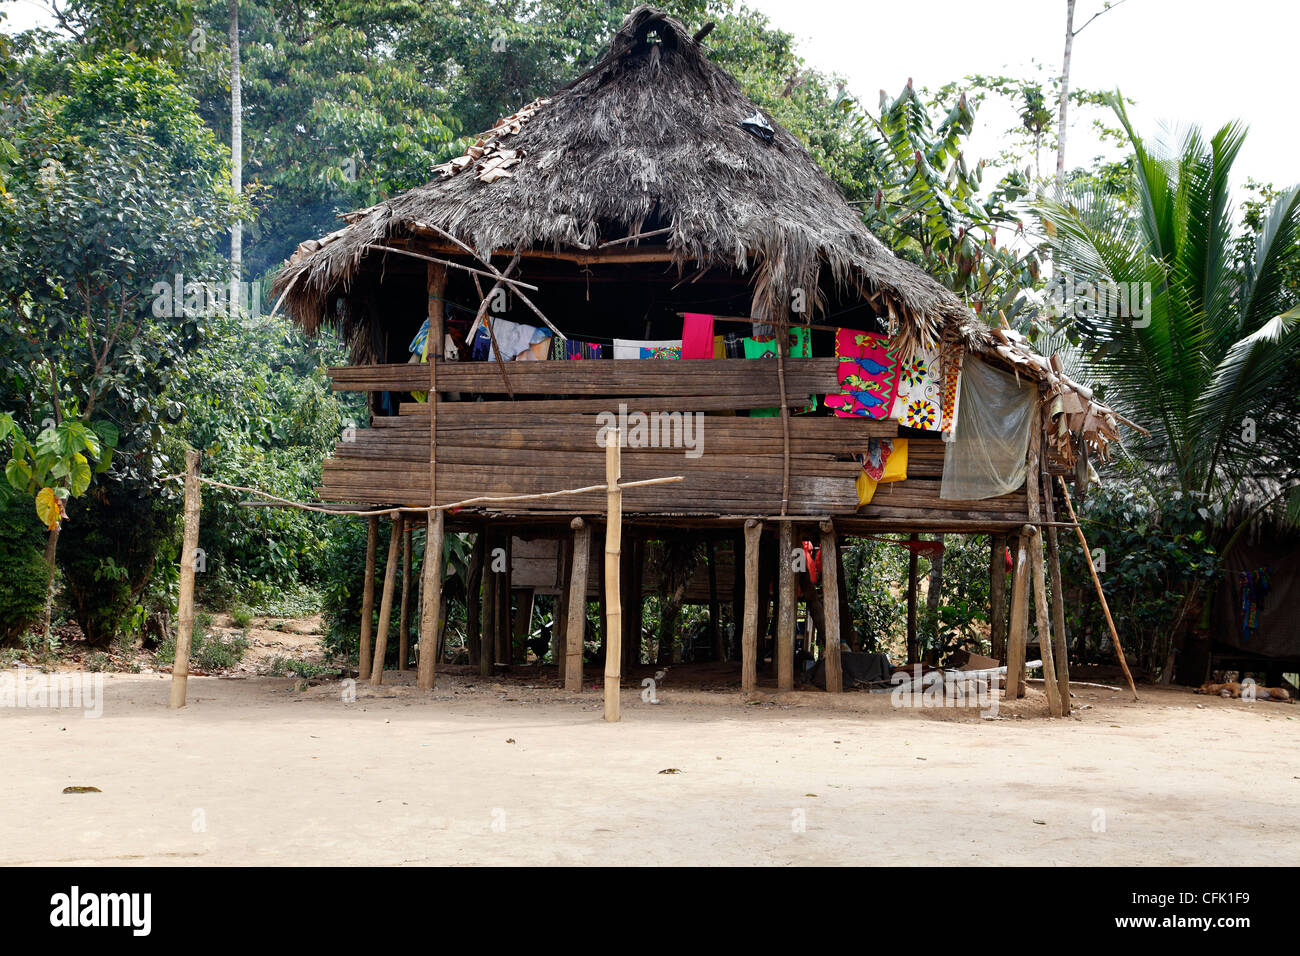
(1182, 61)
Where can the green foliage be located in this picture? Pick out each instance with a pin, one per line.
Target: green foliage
(209, 651)
(56, 466)
(22, 568)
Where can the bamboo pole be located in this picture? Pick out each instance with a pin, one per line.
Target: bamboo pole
(577, 606)
(1096, 581)
(749, 636)
(785, 609)
(831, 609)
(185, 596)
(386, 604)
(1019, 622)
(431, 592)
(613, 597)
(404, 618)
(368, 599)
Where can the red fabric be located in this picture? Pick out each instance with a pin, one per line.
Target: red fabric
(926, 549)
(812, 559)
(1010, 563)
(697, 336)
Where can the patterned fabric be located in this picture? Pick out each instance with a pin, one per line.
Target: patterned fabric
(885, 461)
(1254, 587)
(952, 356)
(918, 403)
(868, 375)
(574, 349)
(647, 348)
(800, 347)
(661, 352)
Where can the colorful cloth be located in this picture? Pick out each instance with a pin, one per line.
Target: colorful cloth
(647, 348)
(868, 375)
(800, 347)
(951, 391)
(697, 336)
(565, 349)
(918, 402)
(1254, 587)
(885, 461)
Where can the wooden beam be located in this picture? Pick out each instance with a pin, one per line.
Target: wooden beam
(785, 608)
(185, 593)
(368, 598)
(577, 607)
(749, 636)
(386, 602)
(831, 608)
(613, 597)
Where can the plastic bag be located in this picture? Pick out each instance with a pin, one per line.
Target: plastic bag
(987, 457)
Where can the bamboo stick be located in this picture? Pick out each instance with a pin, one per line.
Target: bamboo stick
(613, 597)
(386, 604)
(368, 599)
(1096, 581)
(185, 594)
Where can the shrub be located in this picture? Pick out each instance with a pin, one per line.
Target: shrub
(23, 572)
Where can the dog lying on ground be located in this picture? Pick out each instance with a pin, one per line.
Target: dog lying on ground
(1233, 690)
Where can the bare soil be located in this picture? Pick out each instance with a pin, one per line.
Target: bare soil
(264, 770)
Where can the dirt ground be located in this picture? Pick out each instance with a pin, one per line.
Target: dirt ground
(264, 770)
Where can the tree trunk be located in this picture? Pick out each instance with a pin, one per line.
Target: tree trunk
(51, 546)
(1065, 98)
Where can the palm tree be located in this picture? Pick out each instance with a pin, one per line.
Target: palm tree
(1209, 366)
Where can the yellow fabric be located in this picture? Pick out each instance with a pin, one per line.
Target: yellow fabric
(895, 470)
(719, 346)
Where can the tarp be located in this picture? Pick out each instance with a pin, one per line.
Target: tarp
(986, 458)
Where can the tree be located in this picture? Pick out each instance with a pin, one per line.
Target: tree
(1063, 101)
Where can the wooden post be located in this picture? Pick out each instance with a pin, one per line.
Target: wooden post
(749, 635)
(577, 608)
(431, 593)
(474, 599)
(785, 609)
(998, 596)
(1019, 622)
(831, 608)
(1042, 619)
(386, 603)
(523, 623)
(505, 620)
(913, 646)
(1096, 581)
(737, 596)
(185, 596)
(404, 619)
(715, 626)
(613, 598)
(487, 654)
(1060, 646)
(368, 598)
(559, 620)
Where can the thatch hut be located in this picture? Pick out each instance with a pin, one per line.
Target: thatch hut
(647, 195)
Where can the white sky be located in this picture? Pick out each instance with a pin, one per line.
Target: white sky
(1182, 61)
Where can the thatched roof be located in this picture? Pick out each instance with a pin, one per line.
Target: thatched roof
(651, 135)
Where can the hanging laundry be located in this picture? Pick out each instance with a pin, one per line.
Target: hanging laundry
(918, 402)
(884, 461)
(697, 336)
(734, 345)
(1254, 587)
(868, 375)
(643, 348)
(812, 560)
(513, 338)
(800, 347)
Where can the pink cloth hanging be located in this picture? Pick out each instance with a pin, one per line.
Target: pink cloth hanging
(697, 336)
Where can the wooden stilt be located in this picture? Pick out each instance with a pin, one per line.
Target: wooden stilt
(559, 620)
(474, 600)
(1042, 620)
(749, 636)
(998, 596)
(1018, 635)
(431, 586)
(523, 623)
(913, 646)
(613, 596)
(368, 599)
(737, 596)
(386, 604)
(404, 619)
(491, 576)
(1101, 595)
(785, 609)
(505, 623)
(715, 626)
(577, 605)
(1060, 645)
(185, 593)
(831, 608)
